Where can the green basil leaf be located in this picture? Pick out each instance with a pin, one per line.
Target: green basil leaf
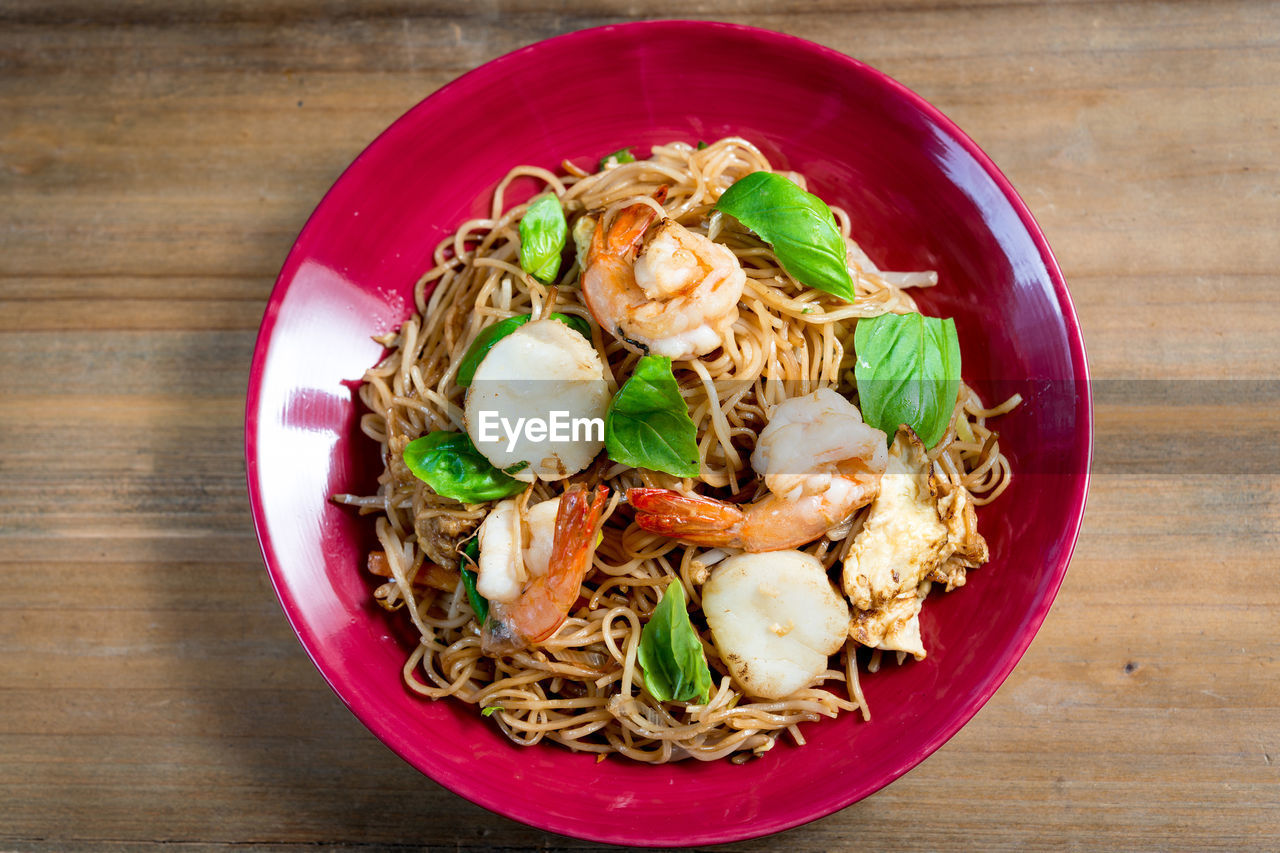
(648, 423)
(492, 334)
(622, 155)
(543, 232)
(908, 372)
(798, 225)
(479, 604)
(450, 464)
(670, 653)
(701, 145)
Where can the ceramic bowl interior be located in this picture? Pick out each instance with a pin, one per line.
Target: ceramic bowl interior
(921, 195)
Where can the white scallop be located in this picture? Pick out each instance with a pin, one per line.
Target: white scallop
(543, 371)
(775, 618)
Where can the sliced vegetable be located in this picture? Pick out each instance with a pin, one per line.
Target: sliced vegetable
(622, 155)
(670, 653)
(488, 337)
(479, 604)
(797, 224)
(908, 372)
(450, 464)
(543, 231)
(648, 423)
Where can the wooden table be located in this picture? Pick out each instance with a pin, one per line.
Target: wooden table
(155, 166)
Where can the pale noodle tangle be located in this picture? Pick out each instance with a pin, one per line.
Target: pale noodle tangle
(583, 688)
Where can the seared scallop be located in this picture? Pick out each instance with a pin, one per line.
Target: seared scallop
(775, 619)
(537, 403)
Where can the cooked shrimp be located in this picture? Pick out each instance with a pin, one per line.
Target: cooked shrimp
(820, 463)
(676, 295)
(545, 600)
(513, 547)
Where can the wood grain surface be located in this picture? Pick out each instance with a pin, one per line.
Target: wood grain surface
(157, 160)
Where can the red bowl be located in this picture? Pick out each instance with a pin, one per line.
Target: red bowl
(922, 196)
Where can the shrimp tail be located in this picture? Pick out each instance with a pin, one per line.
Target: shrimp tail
(577, 523)
(692, 518)
(627, 230)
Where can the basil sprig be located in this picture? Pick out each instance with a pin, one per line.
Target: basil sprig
(488, 337)
(542, 237)
(797, 224)
(908, 372)
(648, 423)
(450, 464)
(622, 155)
(479, 604)
(675, 668)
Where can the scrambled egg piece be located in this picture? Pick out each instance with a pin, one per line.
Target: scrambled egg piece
(968, 549)
(911, 538)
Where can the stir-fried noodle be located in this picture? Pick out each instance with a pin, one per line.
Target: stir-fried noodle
(583, 687)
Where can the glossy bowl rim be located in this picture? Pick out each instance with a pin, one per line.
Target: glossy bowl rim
(919, 751)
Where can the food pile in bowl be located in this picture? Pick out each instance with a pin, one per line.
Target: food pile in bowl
(664, 450)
